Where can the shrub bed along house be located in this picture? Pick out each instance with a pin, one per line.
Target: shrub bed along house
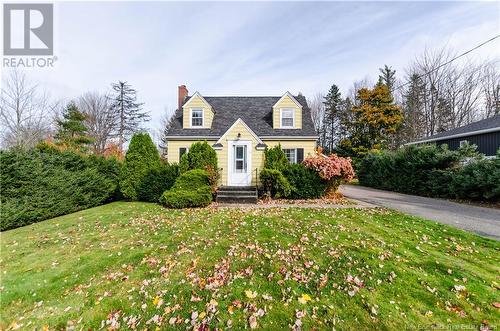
(199, 176)
(39, 184)
(202, 156)
(434, 171)
(191, 189)
(316, 176)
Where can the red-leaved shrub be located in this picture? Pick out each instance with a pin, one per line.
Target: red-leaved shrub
(333, 169)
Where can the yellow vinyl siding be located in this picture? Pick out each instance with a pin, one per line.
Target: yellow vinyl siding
(174, 145)
(309, 147)
(197, 103)
(287, 102)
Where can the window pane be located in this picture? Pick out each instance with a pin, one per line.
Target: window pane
(197, 117)
(290, 154)
(286, 122)
(197, 122)
(239, 152)
(239, 165)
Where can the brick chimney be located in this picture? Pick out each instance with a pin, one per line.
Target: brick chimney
(182, 93)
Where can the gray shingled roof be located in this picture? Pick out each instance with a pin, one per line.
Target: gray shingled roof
(488, 123)
(256, 112)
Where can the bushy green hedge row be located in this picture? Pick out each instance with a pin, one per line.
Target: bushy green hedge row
(434, 171)
(145, 176)
(191, 189)
(280, 179)
(40, 184)
(156, 181)
(305, 182)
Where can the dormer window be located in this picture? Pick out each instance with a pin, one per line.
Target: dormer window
(196, 118)
(287, 118)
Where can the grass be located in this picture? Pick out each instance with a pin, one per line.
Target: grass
(138, 265)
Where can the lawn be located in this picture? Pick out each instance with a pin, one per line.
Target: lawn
(138, 265)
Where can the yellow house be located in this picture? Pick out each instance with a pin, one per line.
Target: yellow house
(240, 129)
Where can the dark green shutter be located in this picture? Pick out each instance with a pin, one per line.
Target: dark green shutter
(300, 155)
(182, 151)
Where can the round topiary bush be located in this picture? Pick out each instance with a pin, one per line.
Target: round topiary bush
(191, 189)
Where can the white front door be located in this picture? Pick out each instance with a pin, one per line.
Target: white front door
(239, 163)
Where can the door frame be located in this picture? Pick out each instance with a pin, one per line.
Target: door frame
(230, 162)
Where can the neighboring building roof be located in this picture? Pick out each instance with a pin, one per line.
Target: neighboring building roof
(491, 124)
(256, 112)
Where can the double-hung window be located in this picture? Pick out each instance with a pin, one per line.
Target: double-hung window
(294, 155)
(291, 154)
(287, 118)
(196, 118)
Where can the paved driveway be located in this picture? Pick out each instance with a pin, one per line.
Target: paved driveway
(483, 221)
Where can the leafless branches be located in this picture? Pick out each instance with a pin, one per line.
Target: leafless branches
(25, 112)
(101, 121)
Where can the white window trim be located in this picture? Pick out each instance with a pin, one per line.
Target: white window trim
(191, 118)
(295, 156)
(463, 143)
(281, 118)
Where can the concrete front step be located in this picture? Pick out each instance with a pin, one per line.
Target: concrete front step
(236, 200)
(237, 188)
(237, 194)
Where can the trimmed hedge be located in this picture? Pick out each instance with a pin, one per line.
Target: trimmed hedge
(305, 183)
(274, 183)
(141, 158)
(275, 158)
(433, 171)
(42, 184)
(156, 181)
(202, 156)
(191, 189)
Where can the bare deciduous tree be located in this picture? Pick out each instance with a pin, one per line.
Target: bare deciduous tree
(452, 94)
(100, 119)
(490, 82)
(317, 106)
(24, 112)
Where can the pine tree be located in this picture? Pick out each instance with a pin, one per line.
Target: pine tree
(414, 110)
(129, 111)
(387, 77)
(71, 130)
(333, 113)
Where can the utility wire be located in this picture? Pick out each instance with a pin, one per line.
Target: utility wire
(450, 61)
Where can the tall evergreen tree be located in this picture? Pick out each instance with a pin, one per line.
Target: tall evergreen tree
(71, 130)
(376, 119)
(387, 77)
(333, 113)
(142, 156)
(413, 110)
(129, 111)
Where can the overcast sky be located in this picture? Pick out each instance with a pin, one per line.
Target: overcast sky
(263, 48)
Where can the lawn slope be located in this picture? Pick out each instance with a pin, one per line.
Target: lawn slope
(140, 266)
